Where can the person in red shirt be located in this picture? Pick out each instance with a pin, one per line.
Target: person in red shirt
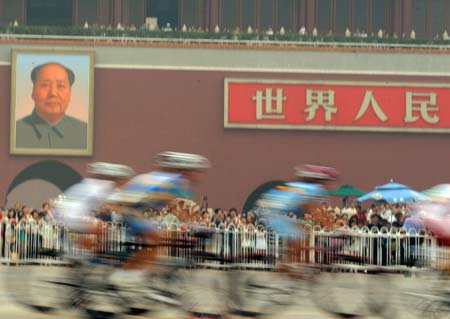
(361, 216)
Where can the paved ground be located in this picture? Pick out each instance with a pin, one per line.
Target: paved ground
(394, 296)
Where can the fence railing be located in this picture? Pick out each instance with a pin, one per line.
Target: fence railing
(250, 246)
(373, 43)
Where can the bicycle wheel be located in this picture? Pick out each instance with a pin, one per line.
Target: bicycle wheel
(379, 292)
(342, 294)
(99, 298)
(203, 291)
(260, 293)
(164, 284)
(44, 289)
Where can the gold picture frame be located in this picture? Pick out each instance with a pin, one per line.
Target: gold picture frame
(52, 102)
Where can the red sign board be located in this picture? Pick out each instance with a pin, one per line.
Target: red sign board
(351, 106)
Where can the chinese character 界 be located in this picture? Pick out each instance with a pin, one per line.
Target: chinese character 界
(317, 99)
(269, 113)
(369, 100)
(423, 102)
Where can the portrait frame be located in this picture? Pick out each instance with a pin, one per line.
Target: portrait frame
(73, 134)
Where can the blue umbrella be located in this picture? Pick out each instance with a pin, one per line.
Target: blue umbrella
(393, 193)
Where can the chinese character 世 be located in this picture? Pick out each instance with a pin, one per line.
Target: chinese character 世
(369, 100)
(269, 113)
(318, 99)
(423, 102)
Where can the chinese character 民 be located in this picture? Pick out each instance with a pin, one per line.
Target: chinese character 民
(317, 99)
(268, 112)
(423, 102)
(369, 100)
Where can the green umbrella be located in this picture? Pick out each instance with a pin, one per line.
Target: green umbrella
(346, 191)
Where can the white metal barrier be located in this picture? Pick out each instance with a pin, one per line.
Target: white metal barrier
(251, 246)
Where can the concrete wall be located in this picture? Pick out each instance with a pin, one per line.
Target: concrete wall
(253, 59)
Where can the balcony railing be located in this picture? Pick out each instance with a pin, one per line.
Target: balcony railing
(109, 35)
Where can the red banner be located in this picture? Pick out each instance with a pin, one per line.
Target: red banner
(351, 106)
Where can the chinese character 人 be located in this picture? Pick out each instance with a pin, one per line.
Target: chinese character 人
(425, 103)
(269, 112)
(318, 99)
(369, 100)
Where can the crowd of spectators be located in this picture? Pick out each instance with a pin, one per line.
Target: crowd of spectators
(354, 215)
(30, 229)
(187, 212)
(23, 227)
(25, 214)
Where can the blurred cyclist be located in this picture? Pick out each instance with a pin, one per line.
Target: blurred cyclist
(176, 174)
(304, 196)
(79, 201)
(433, 214)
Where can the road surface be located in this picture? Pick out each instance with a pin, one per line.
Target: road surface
(394, 296)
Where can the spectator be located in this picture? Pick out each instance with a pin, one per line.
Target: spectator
(385, 223)
(375, 221)
(344, 218)
(18, 207)
(399, 220)
(361, 216)
(352, 222)
(206, 220)
(250, 218)
(218, 218)
(11, 217)
(210, 213)
(387, 213)
(339, 223)
(337, 211)
(372, 210)
(234, 216)
(307, 220)
(351, 210)
(34, 216)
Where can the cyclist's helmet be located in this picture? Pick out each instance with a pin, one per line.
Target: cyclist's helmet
(185, 161)
(110, 170)
(317, 172)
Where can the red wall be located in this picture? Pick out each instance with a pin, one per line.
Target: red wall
(141, 112)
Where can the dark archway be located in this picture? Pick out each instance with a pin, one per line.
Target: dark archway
(54, 172)
(250, 202)
(49, 12)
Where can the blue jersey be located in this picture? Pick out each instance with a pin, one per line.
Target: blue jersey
(155, 190)
(286, 198)
(291, 197)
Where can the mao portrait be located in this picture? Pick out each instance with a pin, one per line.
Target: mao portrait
(51, 103)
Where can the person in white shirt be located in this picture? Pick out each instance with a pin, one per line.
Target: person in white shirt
(352, 209)
(346, 211)
(372, 211)
(387, 214)
(337, 211)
